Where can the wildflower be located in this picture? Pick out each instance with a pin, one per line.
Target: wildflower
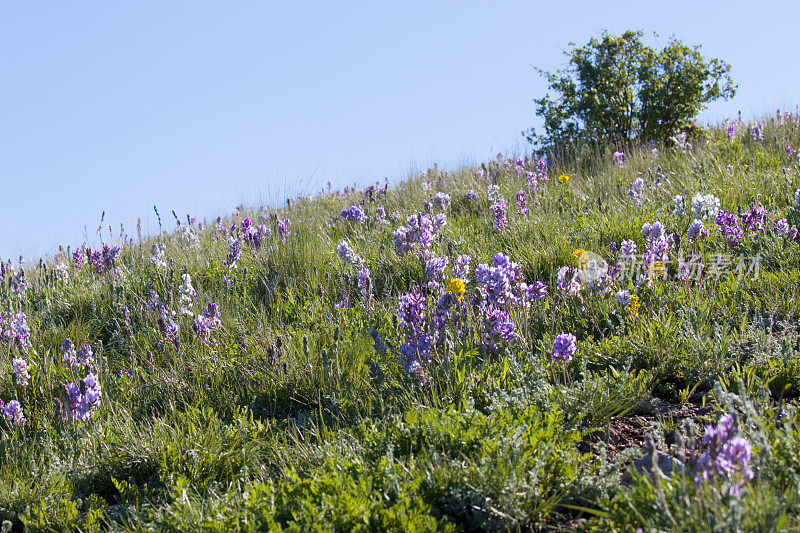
(234, 251)
(678, 205)
(77, 258)
(12, 412)
(499, 281)
(68, 354)
(757, 132)
(534, 292)
(619, 159)
(494, 194)
(627, 248)
(378, 344)
(729, 226)
(84, 356)
(497, 323)
(188, 295)
(18, 332)
(471, 196)
(576, 255)
(754, 218)
(633, 306)
(500, 220)
(564, 347)
(364, 282)
(188, 235)
(697, 230)
(623, 298)
(420, 232)
(522, 202)
(567, 280)
(456, 287)
(434, 267)
(782, 229)
(348, 254)
(731, 131)
(636, 192)
(705, 206)
(20, 369)
(355, 213)
(208, 322)
(441, 200)
(563, 178)
(411, 310)
(283, 226)
(157, 259)
(727, 455)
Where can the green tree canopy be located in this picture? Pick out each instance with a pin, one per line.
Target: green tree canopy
(617, 89)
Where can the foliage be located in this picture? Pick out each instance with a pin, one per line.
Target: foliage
(617, 89)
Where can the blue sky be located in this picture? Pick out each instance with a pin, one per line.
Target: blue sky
(200, 106)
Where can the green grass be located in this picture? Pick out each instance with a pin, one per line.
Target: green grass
(289, 419)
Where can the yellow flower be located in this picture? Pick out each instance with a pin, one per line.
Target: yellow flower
(563, 179)
(456, 286)
(576, 255)
(656, 270)
(634, 305)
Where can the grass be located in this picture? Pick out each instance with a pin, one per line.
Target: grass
(286, 417)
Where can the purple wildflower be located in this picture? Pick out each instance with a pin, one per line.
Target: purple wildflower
(77, 257)
(441, 200)
(731, 131)
(354, 213)
(283, 226)
(564, 347)
(234, 251)
(365, 282)
(729, 226)
(20, 369)
(619, 159)
(471, 195)
(348, 254)
(12, 412)
(754, 218)
(68, 354)
(434, 267)
(697, 230)
(500, 220)
(522, 202)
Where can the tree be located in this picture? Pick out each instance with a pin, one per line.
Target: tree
(617, 89)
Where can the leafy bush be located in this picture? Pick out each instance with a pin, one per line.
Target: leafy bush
(618, 89)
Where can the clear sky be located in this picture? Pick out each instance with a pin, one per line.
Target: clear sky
(200, 106)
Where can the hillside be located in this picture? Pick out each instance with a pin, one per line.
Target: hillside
(600, 340)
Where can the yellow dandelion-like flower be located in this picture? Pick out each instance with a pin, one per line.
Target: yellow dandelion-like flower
(577, 254)
(563, 179)
(457, 287)
(633, 306)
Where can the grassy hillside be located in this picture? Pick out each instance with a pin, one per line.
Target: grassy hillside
(618, 350)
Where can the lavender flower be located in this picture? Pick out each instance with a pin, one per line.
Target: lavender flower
(365, 282)
(757, 132)
(705, 206)
(567, 280)
(627, 248)
(729, 226)
(441, 200)
(522, 202)
(564, 347)
(157, 259)
(731, 131)
(77, 258)
(499, 281)
(348, 254)
(18, 332)
(434, 267)
(500, 220)
(20, 369)
(461, 267)
(420, 231)
(355, 213)
(753, 219)
(623, 298)
(234, 251)
(697, 230)
(208, 322)
(283, 226)
(471, 196)
(68, 354)
(12, 412)
(727, 456)
(534, 292)
(678, 205)
(619, 159)
(541, 169)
